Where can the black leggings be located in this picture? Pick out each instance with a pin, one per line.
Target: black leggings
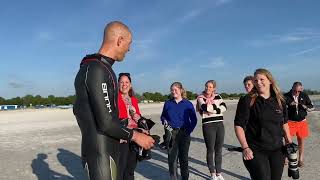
(179, 150)
(213, 134)
(127, 162)
(265, 165)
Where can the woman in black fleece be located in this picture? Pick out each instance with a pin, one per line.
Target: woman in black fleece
(260, 125)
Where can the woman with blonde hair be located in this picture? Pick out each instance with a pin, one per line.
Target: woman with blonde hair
(261, 122)
(211, 106)
(179, 116)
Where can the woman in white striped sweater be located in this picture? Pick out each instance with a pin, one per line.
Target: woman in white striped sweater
(211, 106)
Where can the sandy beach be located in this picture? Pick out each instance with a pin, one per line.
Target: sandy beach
(44, 144)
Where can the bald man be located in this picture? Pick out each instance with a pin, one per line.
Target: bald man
(96, 108)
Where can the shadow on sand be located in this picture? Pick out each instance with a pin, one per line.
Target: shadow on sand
(145, 168)
(67, 159)
(226, 146)
(72, 164)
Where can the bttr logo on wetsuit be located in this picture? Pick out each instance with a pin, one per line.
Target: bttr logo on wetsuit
(106, 97)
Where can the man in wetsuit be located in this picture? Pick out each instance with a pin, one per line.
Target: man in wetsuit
(96, 107)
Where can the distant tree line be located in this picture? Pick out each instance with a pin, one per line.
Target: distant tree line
(311, 92)
(156, 97)
(30, 100)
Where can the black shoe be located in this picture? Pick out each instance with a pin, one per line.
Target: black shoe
(163, 146)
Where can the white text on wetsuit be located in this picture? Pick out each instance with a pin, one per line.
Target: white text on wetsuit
(106, 97)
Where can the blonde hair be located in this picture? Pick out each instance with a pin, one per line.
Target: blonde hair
(213, 82)
(179, 85)
(274, 90)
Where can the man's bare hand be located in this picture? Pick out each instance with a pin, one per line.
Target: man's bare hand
(145, 141)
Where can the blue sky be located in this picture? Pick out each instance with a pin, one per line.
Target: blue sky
(42, 42)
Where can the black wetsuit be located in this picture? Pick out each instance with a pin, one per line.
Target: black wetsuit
(96, 111)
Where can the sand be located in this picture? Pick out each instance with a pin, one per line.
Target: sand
(45, 144)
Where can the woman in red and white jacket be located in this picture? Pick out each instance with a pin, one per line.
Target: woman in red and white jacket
(129, 114)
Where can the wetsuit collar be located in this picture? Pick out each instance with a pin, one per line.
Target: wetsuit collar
(106, 60)
(103, 59)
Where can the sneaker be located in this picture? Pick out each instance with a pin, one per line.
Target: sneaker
(163, 146)
(219, 177)
(214, 177)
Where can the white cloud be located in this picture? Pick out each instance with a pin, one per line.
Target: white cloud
(189, 16)
(221, 2)
(194, 13)
(306, 51)
(78, 44)
(44, 36)
(216, 62)
(140, 75)
(299, 35)
(15, 85)
(143, 49)
(171, 73)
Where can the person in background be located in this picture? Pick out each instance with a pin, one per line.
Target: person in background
(248, 83)
(261, 122)
(179, 114)
(298, 104)
(211, 106)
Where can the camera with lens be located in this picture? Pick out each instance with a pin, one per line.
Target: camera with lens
(292, 155)
(146, 124)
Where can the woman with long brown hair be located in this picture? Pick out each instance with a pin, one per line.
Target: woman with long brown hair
(261, 122)
(129, 114)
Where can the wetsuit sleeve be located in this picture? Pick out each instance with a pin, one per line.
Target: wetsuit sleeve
(242, 112)
(101, 91)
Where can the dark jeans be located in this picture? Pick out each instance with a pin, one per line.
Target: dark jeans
(213, 134)
(265, 165)
(180, 143)
(127, 162)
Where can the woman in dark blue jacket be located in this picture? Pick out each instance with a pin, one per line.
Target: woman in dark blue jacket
(180, 118)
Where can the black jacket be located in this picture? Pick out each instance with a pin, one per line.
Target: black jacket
(303, 99)
(262, 122)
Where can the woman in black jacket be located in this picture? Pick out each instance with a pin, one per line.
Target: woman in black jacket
(261, 118)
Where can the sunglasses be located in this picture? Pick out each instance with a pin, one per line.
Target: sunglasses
(124, 74)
